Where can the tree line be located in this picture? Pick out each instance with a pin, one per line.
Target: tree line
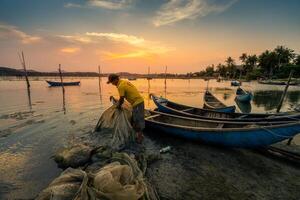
(269, 65)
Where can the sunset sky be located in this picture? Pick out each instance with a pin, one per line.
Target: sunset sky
(130, 35)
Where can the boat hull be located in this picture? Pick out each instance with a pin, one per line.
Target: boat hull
(57, 84)
(178, 109)
(212, 103)
(235, 138)
(244, 97)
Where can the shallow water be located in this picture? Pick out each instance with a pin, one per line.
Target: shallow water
(31, 133)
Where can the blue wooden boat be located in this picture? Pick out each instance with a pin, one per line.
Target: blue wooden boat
(236, 83)
(228, 134)
(212, 103)
(55, 84)
(243, 95)
(166, 106)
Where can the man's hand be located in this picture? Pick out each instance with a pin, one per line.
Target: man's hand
(119, 106)
(120, 102)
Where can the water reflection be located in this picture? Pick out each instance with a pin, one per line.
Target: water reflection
(64, 100)
(165, 89)
(269, 99)
(148, 96)
(29, 98)
(244, 107)
(100, 89)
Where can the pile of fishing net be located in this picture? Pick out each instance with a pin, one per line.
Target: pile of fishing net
(119, 179)
(117, 122)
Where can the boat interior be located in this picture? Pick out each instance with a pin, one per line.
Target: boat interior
(196, 123)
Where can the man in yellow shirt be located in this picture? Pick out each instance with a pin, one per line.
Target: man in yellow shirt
(129, 92)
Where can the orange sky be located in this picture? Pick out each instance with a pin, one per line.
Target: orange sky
(185, 35)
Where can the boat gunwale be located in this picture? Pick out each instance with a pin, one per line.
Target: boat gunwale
(280, 125)
(271, 115)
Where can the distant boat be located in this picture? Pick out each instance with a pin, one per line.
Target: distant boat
(228, 134)
(212, 103)
(236, 83)
(270, 82)
(243, 95)
(131, 78)
(54, 84)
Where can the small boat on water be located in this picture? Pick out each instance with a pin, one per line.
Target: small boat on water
(243, 95)
(270, 82)
(131, 78)
(236, 83)
(212, 103)
(54, 84)
(166, 106)
(245, 107)
(229, 134)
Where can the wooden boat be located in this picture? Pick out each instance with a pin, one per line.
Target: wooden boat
(131, 78)
(270, 82)
(229, 134)
(54, 84)
(245, 107)
(236, 83)
(212, 103)
(166, 106)
(243, 95)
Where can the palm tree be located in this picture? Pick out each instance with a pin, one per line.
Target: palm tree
(231, 67)
(297, 60)
(284, 54)
(251, 62)
(243, 58)
(268, 62)
(230, 61)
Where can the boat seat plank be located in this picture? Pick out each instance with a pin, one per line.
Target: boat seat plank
(185, 110)
(220, 125)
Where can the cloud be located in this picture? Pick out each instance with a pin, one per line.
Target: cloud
(70, 50)
(110, 4)
(177, 10)
(76, 38)
(130, 39)
(7, 31)
(72, 5)
(121, 45)
(106, 4)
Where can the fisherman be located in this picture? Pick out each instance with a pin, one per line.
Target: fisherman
(129, 92)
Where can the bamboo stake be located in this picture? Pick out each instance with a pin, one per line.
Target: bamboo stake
(100, 90)
(285, 91)
(22, 60)
(24, 66)
(63, 88)
(166, 81)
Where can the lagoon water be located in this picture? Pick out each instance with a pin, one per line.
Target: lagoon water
(30, 133)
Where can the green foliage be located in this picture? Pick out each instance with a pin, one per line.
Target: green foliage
(284, 71)
(273, 64)
(255, 74)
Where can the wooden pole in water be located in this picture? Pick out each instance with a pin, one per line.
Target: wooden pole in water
(166, 81)
(25, 70)
(100, 90)
(60, 75)
(284, 93)
(63, 88)
(22, 60)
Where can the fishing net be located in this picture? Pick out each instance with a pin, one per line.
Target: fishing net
(121, 179)
(74, 156)
(117, 122)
